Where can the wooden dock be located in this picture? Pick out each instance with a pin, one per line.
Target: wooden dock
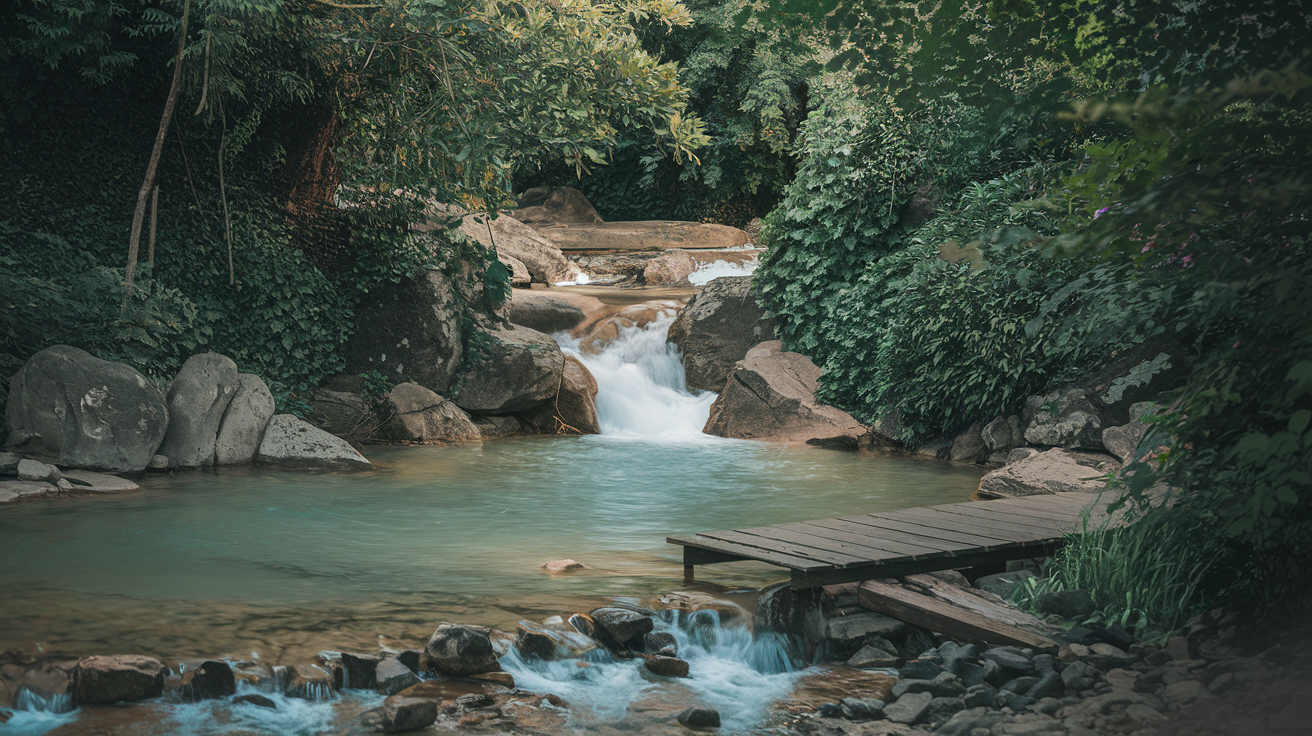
(905, 542)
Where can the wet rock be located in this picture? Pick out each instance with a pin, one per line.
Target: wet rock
(554, 206)
(666, 666)
(293, 442)
(871, 656)
(1008, 659)
(861, 709)
(309, 682)
(562, 566)
(409, 331)
(14, 490)
(1020, 685)
(112, 679)
(400, 714)
(573, 410)
(980, 696)
(669, 269)
(945, 685)
(391, 677)
(700, 718)
(1003, 584)
(537, 641)
(909, 709)
(606, 331)
(73, 409)
(643, 235)
(256, 700)
(515, 369)
(457, 650)
(86, 481)
(1003, 433)
(620, 628)
(920, 669)
(32, 470)
(941, 709)
(1077, 604)
(242, 427)
(421, 415)
(659, 642)
(771, 396)
(494, 427)
(474, 700)
(1015, 701)
(1052, 471)
(358, 670)
(206, 680)
(717, 328)
(554, 311)
(969, 446)
(198, 397)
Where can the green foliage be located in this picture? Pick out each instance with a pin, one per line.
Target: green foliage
(1149, 577)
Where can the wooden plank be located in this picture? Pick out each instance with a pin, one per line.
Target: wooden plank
(819, 576)
(746, 553)
(889, 547)
(1039, 528)
(919, 528)
(936, 615)
(968, 600)
(791, 536)
(1025, 536)
(792, 550)
(1032, 512)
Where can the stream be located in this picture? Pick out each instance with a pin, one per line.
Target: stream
(241, 562)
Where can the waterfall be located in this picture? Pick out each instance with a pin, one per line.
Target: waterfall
(641, 389)
(34, 714)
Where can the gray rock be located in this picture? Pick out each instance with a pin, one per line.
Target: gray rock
(666, 666)
(1009, 660)
(85, 481)
(293, 442)
(1003, 433)
(620, 628)
(400, 714)
(510, 237)
(391, 677)
(1050, 685)
(1077, 604)
(909, 709)
(345, 414)
(242, 428)
(457, 651)
(943, 708)
(495, 427)
(862, 709)
(420, 415)
(846, 635)
(37, 471)
(700, 718)
(978, 696)
(1003, 584)
(359, 671)
(919, 669)
(871, 656)
(658, 641)
(1123, 441)
(969, 446)
(1052, 471)
(978, 719)
(78, 411)
(160, 462)
(409, 331)
(669, 269)
(1136, 376)
(771, 396)
(717, 328)
(198, 397)
(946, 685)
(554, 206)
(9, 462)
(515, 369)
(1015, 701)
(553, 311)
(1063, 418)
(111, 679)
(1078, 676)
(1019, 685)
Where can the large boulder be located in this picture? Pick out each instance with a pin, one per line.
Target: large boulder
(554, 205)
(243, 423)
(1003, 433)
(671, 269)
(771, 396)
(643, 235)
(510, 237)
(76, 410)
(574, 409)
(124, 677)
(515, 369)
(717, 328)
(419, 415)
(1052, 471)
(409, 331)
(519, 275)
(1140, 374)
(1124, 441)
(292, 442)
(199, 395)
(969, 446)
(554, 311)
(456, 650)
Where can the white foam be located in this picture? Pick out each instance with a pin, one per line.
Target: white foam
(708, 271)
(581, 280)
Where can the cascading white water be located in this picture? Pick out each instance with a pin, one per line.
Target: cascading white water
(34, 714)
(738, 674)
(641, 390)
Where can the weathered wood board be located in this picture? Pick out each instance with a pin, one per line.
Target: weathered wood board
(939, 615)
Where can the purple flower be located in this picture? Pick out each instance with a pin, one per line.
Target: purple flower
(1100, 212)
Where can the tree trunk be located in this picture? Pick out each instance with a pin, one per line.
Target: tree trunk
(134, 241)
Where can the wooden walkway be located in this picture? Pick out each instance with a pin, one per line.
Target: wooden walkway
(906, 542)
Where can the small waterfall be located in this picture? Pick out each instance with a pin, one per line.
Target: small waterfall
(642, 392)
(738, 674)
(36, 714)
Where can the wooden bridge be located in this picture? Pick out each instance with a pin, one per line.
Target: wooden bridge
(897, 543)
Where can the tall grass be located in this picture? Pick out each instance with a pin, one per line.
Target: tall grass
(1149, 577)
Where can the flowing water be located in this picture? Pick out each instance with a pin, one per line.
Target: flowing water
(241, 560)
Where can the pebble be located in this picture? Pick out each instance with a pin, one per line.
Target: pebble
(700, 718)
